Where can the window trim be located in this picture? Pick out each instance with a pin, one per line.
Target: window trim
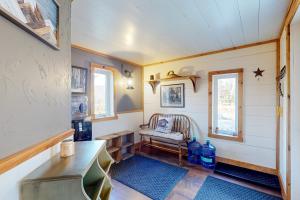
(239, 137)
(94, 117)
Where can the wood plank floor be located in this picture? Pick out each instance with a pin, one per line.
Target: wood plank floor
(186, 189)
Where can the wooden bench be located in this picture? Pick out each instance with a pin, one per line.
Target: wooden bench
(179, 135)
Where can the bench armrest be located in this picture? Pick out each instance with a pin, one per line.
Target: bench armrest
(144, 126)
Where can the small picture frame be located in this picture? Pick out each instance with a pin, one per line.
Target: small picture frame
(79, 80)
(172, 96)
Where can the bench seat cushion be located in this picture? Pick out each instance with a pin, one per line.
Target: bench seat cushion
(173, 135)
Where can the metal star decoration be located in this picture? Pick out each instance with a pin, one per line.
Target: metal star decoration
(258, 73)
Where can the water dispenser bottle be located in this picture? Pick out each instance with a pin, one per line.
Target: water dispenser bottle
(208, 155)
(194, 151)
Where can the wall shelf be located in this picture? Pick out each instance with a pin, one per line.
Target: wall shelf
(82, 176)
(192, 78)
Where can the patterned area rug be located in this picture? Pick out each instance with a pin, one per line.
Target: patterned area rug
(217, 189)
(153, 178)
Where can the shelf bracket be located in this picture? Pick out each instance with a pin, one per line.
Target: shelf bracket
(194, 81)
(153, 85)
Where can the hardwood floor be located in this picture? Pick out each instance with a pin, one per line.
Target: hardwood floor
(187, 188)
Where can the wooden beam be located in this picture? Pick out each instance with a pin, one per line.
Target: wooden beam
(290, 15)
(212, 52)
(21, 156)
(98, 53)
(277, 104)
(288, 141)
(87, 50)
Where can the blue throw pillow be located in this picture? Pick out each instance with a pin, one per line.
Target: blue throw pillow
(164, 124)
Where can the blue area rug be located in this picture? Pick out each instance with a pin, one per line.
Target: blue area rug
(151, 177)
(217, 189)
(258, 178)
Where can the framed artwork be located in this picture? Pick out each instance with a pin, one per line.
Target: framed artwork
(172, 96)
(79, 80)
(37, 17)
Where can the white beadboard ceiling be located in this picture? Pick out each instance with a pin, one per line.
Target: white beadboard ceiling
(148, 31)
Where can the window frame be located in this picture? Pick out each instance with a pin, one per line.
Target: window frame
(95, 117)
(211, 133)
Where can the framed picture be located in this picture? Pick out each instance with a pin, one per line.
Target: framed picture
(172, 95)
(79, 80)
(37, 17)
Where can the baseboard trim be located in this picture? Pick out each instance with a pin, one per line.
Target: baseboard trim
(23, 155)
(247, 165)
(229, 161)
(131, 111)
(283, 194)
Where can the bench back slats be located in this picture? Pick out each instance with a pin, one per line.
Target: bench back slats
(181, 123)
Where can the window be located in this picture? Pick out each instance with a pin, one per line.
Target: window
(225, 104)
(102, 100)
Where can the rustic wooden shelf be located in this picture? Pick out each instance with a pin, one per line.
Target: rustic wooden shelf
(119, 145)
(112, 149)
(127, 144)
(192, 78)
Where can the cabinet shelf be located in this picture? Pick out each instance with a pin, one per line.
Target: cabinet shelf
(112, 149)
(105, 160)
(127, 144)
(93, 191)
(118, 144)
(106, 190)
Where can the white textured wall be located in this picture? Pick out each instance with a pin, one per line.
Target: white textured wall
(283, 121)
(295, 108)
(126, 121)
(259, 146)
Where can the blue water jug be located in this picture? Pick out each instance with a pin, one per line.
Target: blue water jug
(194, 151)
(208, 155)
